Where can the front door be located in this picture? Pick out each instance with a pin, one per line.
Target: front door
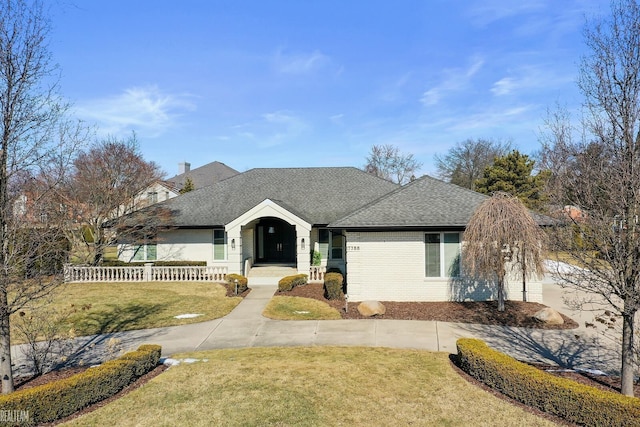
(276, 242)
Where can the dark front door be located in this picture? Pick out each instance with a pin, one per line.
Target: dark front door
(276, 242)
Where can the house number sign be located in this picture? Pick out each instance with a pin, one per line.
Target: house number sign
(353, 248)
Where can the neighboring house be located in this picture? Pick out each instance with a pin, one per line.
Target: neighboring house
(159, 191)
(393, 243)
(201, 177)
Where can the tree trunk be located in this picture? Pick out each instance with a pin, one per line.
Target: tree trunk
(524, 275)
(628, 354)
(501, 294)
(5, 344)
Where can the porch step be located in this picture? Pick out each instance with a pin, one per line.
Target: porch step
(269, 275)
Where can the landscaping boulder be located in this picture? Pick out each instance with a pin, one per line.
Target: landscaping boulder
(371, 308)
(549, 316)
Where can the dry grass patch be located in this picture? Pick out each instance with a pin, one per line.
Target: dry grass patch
(112, 307)
(296, 308)
(317, 386)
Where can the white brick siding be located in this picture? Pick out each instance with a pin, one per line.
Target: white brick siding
(390, 266)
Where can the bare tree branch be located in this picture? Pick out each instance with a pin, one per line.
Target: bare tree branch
(597, 172)
(386, 161)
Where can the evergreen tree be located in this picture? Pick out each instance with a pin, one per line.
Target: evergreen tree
(513, 174)
(188, 186)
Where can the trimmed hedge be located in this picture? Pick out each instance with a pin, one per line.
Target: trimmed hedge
(243, 282)
(575, 402)
(333, 285)
(55, 400)
(289, 282)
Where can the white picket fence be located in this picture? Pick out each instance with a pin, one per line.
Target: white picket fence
(145, 273)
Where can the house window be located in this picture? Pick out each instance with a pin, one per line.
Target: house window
(337, 243)
(331, 243)
(148, 252)
(442, 254)
(152, 197)
(218, 244)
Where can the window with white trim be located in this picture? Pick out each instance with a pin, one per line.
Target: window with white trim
(147, 252)
(219, 244)
(152, 197)
(442, 254)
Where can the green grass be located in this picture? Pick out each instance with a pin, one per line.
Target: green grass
(317, 386)
(297, 308)
(111, 307)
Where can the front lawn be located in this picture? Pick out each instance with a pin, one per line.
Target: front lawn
(100, 308)
(317, 386)
(296, 308)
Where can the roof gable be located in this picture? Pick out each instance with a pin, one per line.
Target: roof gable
(425, 202)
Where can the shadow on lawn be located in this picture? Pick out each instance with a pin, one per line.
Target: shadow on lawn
(567, 348)
(109, 336)
(116, 318)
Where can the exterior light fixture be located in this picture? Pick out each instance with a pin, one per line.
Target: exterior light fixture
(272, 230)
(302, 244)
(233, 243)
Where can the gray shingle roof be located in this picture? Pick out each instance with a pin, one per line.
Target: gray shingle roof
(203, 176)
(426, 202)
(317, 195)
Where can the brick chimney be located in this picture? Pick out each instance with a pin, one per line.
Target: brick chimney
(183, 167)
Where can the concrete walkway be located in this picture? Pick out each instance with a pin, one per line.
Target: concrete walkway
(246, 327)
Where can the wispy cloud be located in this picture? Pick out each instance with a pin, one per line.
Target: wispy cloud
(494, 117)
(272, 129)
(531, 78)
(300, 63)
(144, 109)
(504, 86)
(485, 12)
(455, 79)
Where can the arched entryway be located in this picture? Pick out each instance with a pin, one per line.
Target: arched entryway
(275, 242)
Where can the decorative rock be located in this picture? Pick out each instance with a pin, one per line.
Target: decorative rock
(549, 316)
(371, 308)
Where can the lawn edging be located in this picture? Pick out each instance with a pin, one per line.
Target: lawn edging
(53, 401)
(575, 402)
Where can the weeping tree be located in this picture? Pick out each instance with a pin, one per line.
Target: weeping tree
(502, 237)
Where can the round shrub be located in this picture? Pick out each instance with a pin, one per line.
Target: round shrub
(242, 282)
(289, 282)
(333, 286)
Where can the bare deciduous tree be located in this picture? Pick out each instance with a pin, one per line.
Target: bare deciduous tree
(34, 153)
(502, 235)
(465, 162)
(107, 183)
(386, 161)
(598, 173)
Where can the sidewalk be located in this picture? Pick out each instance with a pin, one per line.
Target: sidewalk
(246, 327)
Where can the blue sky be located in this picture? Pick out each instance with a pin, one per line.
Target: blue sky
(317, 83)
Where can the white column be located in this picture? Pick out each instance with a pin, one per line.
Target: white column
(303, 245)
(234, 249)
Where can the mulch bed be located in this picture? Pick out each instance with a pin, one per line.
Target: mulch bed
(517, 313)
(232, 292)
